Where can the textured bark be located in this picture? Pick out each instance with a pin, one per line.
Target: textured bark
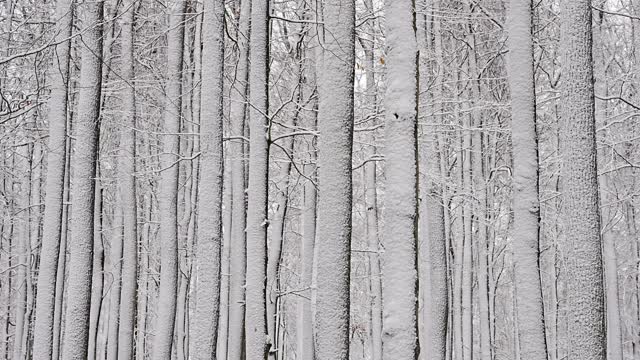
(433, 239)
(168, 188)
(128, 196)
(115, 258)
(86, 126)
(97, 279)
(399, 265)
(371, 205)
(20, 251)
(335, 123)
(255, 305)
(585, 290)
(526, 206)
(237, 266)
(54, 188)
(208, 255)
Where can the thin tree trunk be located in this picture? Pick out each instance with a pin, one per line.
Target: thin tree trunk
(585, 288)
(526, 207)
(168, 188)
(208, 255)
(51, 236)
(255, 305)
(128, 196)
(87, 127)
(237, 266)
(335, 144)
(115, 257)
(97, 280)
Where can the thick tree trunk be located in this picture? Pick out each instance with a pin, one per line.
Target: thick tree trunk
(585, 288)
(54, 188)
(526, 206)
(86, 128)
(399, 266)
(334, 165)
(168, 188)
(255, 305)
(208, 255)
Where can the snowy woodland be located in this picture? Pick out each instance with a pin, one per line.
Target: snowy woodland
(319, 179)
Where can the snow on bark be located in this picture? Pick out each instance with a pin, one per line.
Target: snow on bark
(526, 204)
(54, 188)
(168, 187)
(335, 124)
(128, 196)
(585, 289)
(399, 265)
(237, 265)
(255, 305)
(115, 257)
(208, 255)
(86, 126)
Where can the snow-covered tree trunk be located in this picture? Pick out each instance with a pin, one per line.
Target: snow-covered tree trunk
(399, 265)
(128, 196)
(255, 305)
(526, 205)
(115, 257)
(433, 240)
(97, 279)
(208, 255)
(585, 289)
(54, 188)
(335, 124)
(237, 265)
(168, 187)
(86, 126)
(371, 205)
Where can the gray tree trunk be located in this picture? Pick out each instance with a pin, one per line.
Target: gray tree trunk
(87, 125)
(208, 255)
(54, 188)
(585, 288)
(255, 305)
(168, 188)
(335, 114)
(526, 206)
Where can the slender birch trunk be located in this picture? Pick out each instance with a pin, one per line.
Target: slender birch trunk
(205, 329)
(54, 188)
(335, 145)
(585, 288)
(526, 206)
(168, 188)
(86, 128)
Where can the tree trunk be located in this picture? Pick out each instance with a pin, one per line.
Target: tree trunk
(127, 182)
(255, 305)
(168, 188)
(115, 257)
(51, 233)
(334, 164)
(208, 255)
(585, 290)
(237, 266)
(86, 128)
(526, 206)
(97, 279)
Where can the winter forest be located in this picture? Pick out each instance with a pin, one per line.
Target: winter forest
(319, 179)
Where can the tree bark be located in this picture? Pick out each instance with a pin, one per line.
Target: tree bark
(54, 188)
(205, 329)
(585, 288)
(526, 204)
(168, 188)
(335, 145)
(87, 125)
